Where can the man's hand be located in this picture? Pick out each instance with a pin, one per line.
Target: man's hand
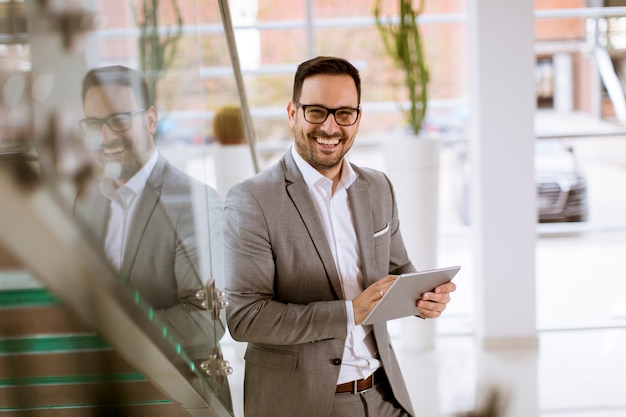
(432, 304)
(365, 302)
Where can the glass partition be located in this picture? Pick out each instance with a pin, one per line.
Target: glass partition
(121, 124)
(159, 218)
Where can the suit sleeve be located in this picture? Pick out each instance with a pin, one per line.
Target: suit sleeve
(256, 265)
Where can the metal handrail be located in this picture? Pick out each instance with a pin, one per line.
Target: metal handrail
(241, 87)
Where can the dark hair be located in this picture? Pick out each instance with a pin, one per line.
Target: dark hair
(325, 65)
(118, 75)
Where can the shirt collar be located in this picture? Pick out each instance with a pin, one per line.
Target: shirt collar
(312, 176)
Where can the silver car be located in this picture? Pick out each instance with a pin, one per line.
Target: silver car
(561, 184)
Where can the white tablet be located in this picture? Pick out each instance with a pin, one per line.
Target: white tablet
(399, 300)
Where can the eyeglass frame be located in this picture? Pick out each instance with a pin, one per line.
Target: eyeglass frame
(105, 120)
(329, 111)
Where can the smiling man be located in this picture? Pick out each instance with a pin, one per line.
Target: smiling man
(312, 244)
(125, 147)
(149, 216)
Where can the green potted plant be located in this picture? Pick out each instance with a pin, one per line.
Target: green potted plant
(403, 43)
(156, 51)
(412, 164)
(228, 128)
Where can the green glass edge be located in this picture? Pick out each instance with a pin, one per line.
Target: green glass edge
(72, 406)
(31, 297)
(40, 344)
(72, 379)
(27, 297)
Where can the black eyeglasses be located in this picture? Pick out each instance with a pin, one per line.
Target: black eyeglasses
(316, 114)
(117, 122)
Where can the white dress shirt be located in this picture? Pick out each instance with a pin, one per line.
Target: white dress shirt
(124, 202)
(359, 354)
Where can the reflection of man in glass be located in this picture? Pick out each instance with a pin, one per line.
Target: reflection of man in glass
(147, 213)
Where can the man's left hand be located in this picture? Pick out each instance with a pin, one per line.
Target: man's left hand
(432, 304)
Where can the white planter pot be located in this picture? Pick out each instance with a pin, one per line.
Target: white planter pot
(412, 164)
(233, 164)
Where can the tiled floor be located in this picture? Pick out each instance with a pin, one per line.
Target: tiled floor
(572, 374)
(579, 369)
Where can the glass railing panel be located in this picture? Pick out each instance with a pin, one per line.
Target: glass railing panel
(102, 149)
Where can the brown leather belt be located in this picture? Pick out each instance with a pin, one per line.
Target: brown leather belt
(360, 385)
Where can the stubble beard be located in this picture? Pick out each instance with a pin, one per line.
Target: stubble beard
(133, 160)
(307, 147)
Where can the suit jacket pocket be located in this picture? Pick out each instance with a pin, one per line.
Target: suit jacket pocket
(271, 358)
(382, 231)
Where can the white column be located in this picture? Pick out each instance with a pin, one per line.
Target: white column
(57, 70)
(244, 13)
(503, 195)
(563, 81)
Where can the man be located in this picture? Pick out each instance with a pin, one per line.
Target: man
(150, 217)
(312, 243)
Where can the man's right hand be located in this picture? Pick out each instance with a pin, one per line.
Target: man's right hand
(365, 302)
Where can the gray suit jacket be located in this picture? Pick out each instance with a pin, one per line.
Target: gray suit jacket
(285, 294)
(164, 258)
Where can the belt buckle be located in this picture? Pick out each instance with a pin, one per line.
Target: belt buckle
(355, 385)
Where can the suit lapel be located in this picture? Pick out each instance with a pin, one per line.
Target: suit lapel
(299, 193)
(147, 203)
(362, 217)
(92, 210)
(98, 217)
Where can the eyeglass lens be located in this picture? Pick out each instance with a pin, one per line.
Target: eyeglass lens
(344, 116)
(118, 122)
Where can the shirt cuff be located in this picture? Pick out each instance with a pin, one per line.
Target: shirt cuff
(350, 312)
